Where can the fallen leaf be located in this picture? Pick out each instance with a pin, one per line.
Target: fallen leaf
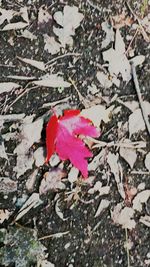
(37, 64)
(53, 80)
(118, 62)
(116, 169)
(69, 20)
(97, 113)
(123, 216)
(52, 181)
(31, 180)
(32, 202)
(43, 15)
(103, 190)
(145, 220)
(61, 136)
(3, 152)
(136, 122)
(8, 86)
(58, 211)
(73, 175)
(7, 185)
(147, 161)
(121, 20)
(129, 154)
(39, 156)
(104, 79)
(140, 199)
(104, 204)
(15, 26)
(6, 15)
(51, 45)
(108, 29)
(28, 35)
(4, 215)
(24, 163)
(138, 60)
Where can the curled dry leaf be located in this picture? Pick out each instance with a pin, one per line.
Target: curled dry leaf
(58, 211)
(52, 181)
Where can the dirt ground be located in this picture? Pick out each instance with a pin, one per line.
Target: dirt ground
(62, 229)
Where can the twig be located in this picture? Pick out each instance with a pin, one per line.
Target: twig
(26, 90)
(127, 249)
(136, 84)
(81, 98)
(94, 6)
(57, 235)
(145, 36)
(59, 57)
(136, 32)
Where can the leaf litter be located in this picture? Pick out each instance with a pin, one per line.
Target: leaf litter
(109, 153)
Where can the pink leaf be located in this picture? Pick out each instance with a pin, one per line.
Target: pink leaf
(62, 137)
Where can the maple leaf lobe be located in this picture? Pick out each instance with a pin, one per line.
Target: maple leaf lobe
(62, 137)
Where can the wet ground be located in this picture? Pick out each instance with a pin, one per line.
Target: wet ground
(82, 239)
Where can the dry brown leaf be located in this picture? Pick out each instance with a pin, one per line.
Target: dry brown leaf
(7, 185)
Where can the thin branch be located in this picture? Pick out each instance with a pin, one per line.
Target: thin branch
(137, 87)
(94, 6)
(59, 57)
(145, 36)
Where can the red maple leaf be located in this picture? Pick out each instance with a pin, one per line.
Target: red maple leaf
(62, 137)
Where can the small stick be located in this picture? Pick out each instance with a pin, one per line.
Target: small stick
(81, 98)
(137, 87)
(94, 6)
(57, 235)
(146, 38)
(56, 58)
